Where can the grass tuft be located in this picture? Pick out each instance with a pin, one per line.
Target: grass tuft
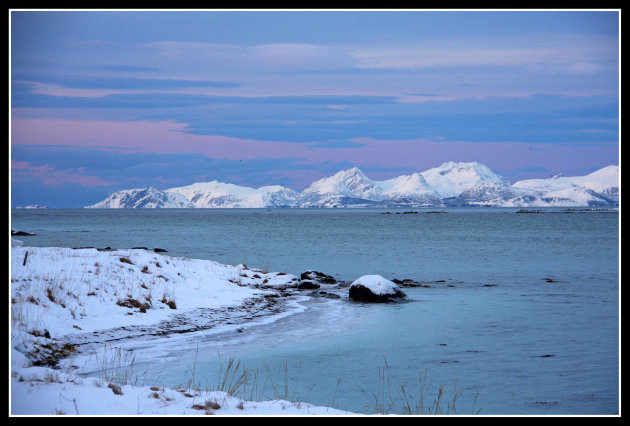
(133, 303)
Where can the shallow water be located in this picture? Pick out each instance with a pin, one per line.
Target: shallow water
(522, 346)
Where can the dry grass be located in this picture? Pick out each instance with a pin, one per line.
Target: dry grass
(169, 302)
(399, 400)
(115, 388)
(133, 303)
(116, 366)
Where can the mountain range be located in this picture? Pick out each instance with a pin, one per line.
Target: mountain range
(451, 184)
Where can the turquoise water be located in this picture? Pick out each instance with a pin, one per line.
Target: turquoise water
(521, 346)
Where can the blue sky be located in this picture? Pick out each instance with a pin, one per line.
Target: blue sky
(106, 100)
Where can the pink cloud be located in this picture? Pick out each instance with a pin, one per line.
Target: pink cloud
(416, 154)
(50, 176)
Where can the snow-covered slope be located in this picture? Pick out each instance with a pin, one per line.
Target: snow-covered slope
(218, 194)
(487, 193)
(451, 179)
(451, 184)
(345, 187)
(149, 198)
(598, 188)
(61, 297)
(412, 189)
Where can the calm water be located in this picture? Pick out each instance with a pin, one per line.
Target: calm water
(522, 346)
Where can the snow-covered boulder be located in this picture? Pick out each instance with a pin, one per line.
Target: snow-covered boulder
(374, 288)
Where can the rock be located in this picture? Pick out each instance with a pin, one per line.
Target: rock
(324, 294)
(331, 296)
(307, 285)
(160, 250)
(407, 283)
(21, 234)
(319, 277)
(374, 288)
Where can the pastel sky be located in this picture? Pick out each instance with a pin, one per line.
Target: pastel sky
(110, 100)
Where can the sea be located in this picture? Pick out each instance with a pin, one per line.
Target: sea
(519, 312)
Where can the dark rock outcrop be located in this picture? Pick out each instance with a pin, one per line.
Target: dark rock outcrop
(319, 277)
(364, 294)
(307, 285)
(21, 234)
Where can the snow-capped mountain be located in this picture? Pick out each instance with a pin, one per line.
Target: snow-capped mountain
(451, 179)
(598, 188)
(487, 193)
(150, 198)
(218, 194)
(412, 189)
(348, 187)
(451, 184)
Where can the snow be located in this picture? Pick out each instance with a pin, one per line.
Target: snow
(44, 391)
(597, 187)
(32, 206)
(220, 194)
(347, 183)
(86, 284)
(598, 181)
(451, 179)
(413, 186)
(376, 284)
(59, 292)
(473, 183)
(142, 198)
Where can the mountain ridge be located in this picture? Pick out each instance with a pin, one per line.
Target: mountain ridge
(451, 184)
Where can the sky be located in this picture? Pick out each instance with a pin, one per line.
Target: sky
(109, 100)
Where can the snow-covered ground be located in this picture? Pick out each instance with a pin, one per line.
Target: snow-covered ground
(46, 391)
(61, 296)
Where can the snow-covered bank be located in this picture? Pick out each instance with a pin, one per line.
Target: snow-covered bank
(67, 291)
(45, 391)
(63, 299)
